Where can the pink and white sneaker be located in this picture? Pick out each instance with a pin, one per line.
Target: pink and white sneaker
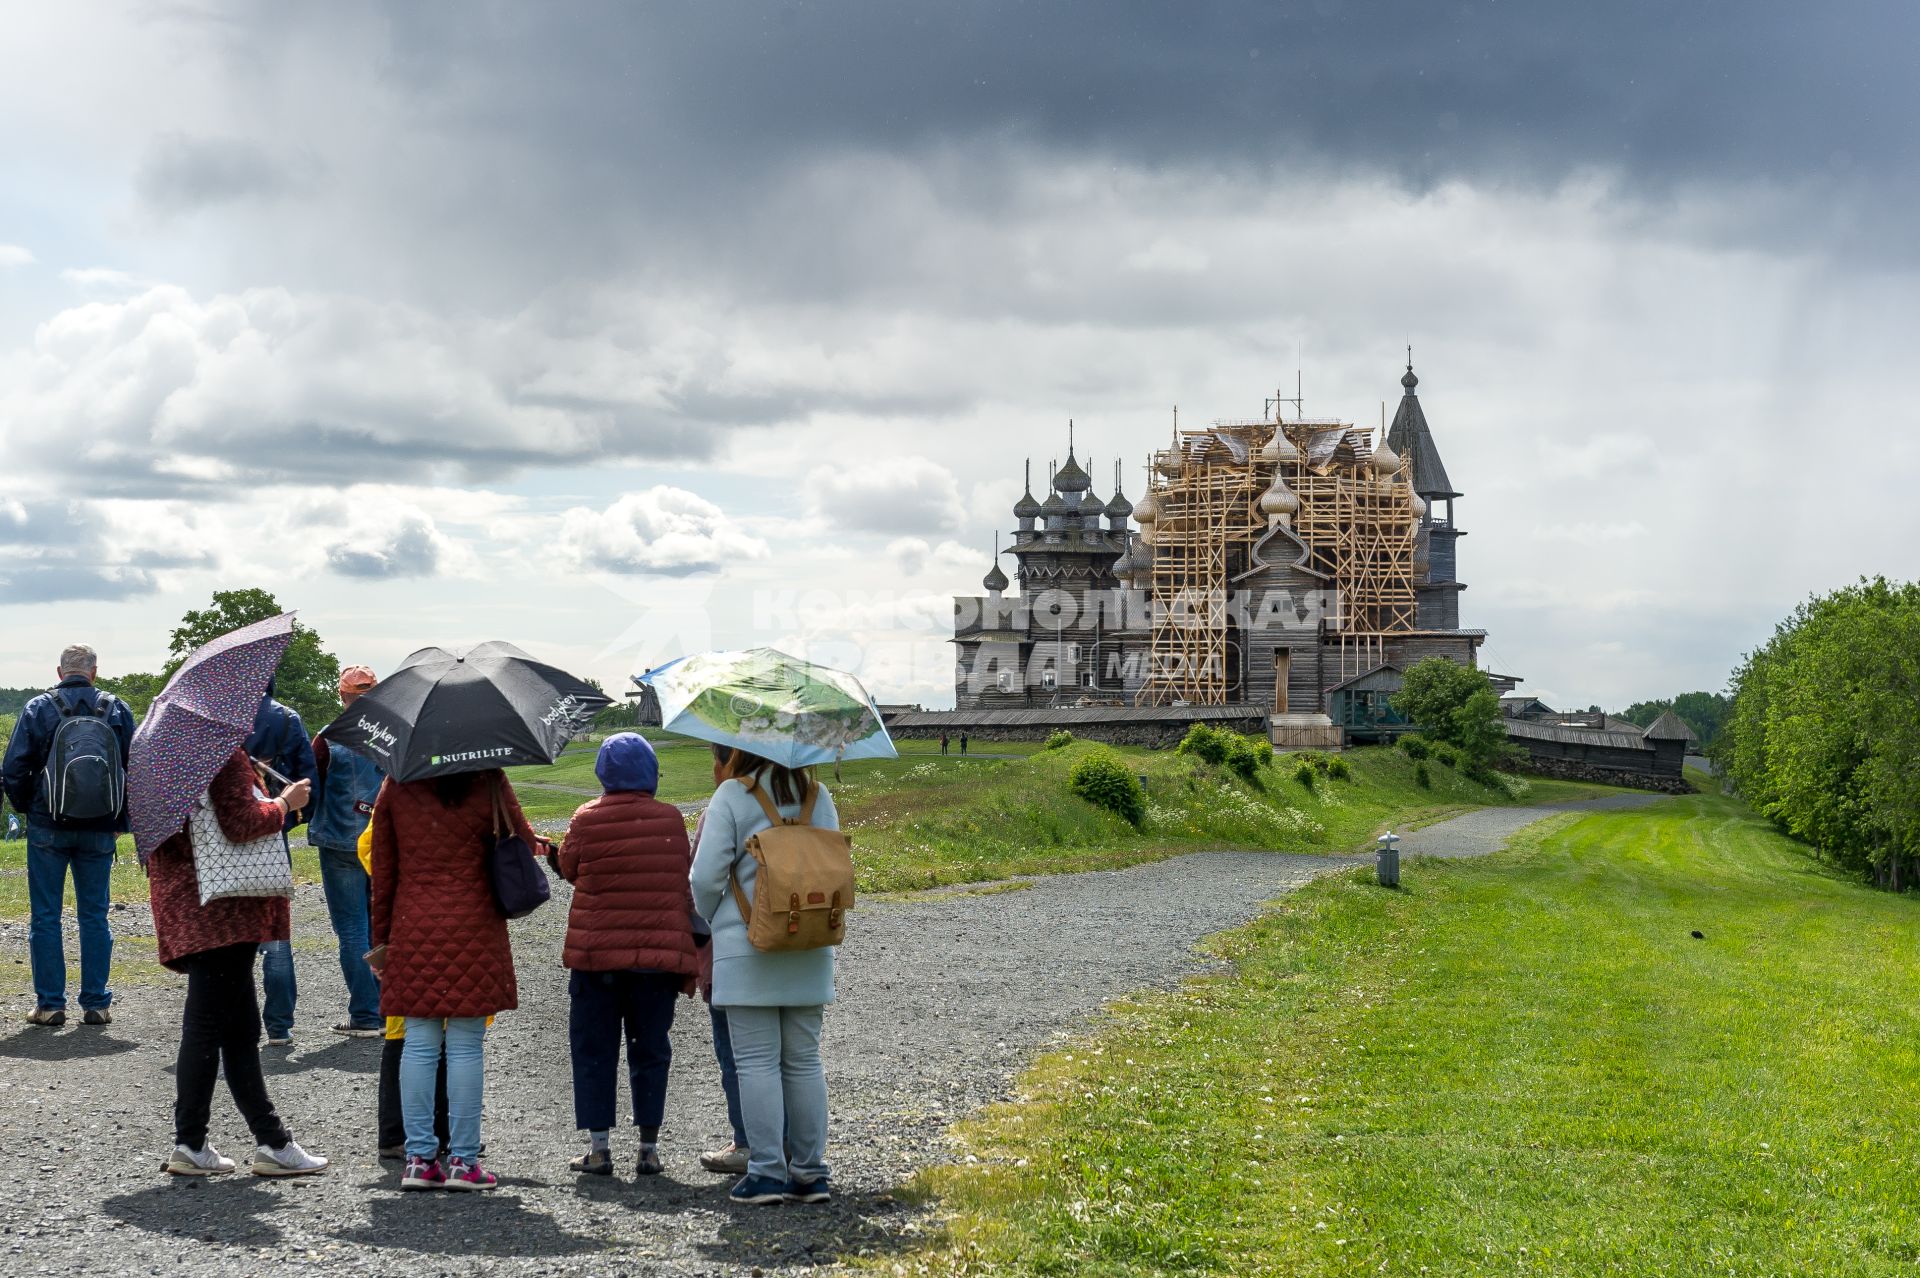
(462, 1174)
(423, 1173)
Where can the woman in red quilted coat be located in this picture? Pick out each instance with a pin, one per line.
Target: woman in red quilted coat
(214, 944)
(630, 945)
(448, 964)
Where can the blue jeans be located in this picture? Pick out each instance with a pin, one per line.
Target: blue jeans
(729, 1076)
(346, 886)
(465, 1042)
(276, 977)
(783, 1090)
(50, 855)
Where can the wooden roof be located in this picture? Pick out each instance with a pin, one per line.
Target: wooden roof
(1669, 727)
(1566, 734)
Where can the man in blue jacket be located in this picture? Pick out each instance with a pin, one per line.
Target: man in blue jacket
(59, 843)
(342, 803)
(280, 741)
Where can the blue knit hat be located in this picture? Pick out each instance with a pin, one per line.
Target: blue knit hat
(627, 762)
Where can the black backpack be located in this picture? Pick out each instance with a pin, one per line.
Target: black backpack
(85, 779)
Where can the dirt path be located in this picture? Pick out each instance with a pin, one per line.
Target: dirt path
(943, 999)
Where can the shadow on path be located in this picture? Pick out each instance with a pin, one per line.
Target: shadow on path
(39, 1044)
(226, 1209)
(447, 1224)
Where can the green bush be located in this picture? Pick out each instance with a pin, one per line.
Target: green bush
(1445, 756)
(1206, 742)
(1103, 780)
(1059, 740)
(1303, 773)
(1340, 770)
(1414, 746)
(1247, 755)
(1420, 777)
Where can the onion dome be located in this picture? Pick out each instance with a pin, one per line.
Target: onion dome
(995, 580)
(1055, 505)
(1407, 379)
(1384, 460)
(1070, 478)
(1026, 507)
(1170, 464)
(1419, 505)
(1279, 449)
(1142, 562)
(1123, 566)
(1119, 507)
(1279, 499)
(1147, 511)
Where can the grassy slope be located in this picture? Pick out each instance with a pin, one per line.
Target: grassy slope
(1522, 1064)
(952, 821)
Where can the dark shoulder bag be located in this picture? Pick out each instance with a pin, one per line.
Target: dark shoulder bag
(519, 884)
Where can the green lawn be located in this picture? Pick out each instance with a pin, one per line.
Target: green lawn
(929, 822)
(1522, 1064)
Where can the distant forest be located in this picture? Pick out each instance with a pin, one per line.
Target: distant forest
(1705, 712)
(14, 700)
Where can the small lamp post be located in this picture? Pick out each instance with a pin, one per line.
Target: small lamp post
(1386, 865)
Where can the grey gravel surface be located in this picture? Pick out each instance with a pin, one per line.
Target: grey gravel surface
(1485, 830)
(944, 996)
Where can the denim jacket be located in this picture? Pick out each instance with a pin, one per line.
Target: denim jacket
(349, 783)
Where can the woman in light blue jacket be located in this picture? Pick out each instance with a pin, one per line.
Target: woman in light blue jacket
(773, 1001)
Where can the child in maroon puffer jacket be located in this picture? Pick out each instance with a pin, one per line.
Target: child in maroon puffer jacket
(630, 945)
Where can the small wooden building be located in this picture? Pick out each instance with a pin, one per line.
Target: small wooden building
(1363, 706)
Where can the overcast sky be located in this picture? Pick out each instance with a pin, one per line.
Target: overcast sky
(620, 329)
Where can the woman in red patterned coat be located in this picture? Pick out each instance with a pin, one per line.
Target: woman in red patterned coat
(447, 963)
(214, 944)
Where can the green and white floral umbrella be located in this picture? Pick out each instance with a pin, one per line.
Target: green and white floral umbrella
(791, 711)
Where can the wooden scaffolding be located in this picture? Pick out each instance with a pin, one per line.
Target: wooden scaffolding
(1206, 486)
(1358, 525)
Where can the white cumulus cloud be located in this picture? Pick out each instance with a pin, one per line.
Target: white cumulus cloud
(401, 542)
(664, 530)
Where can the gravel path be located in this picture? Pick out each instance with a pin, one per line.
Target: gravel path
(944, 997)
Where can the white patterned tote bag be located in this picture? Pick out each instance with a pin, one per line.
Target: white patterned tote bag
(223, 868)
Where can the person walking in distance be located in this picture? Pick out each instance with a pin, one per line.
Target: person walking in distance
(65, 767)
(347, 784)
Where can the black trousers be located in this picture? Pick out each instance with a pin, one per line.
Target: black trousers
(221, 1025)
(604, 1004)
(393, 1125)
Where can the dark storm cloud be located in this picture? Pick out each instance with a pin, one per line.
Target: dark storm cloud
(1771, 90)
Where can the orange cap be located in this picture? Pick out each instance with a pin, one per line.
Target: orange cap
(356, 679)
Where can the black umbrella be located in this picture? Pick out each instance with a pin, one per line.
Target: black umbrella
(488, 706)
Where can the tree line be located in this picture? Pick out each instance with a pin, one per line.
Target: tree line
(1704, 712)
(1823, 736)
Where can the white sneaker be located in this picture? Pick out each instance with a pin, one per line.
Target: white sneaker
(283, 1040)
(289, 1160)
(197, 1162)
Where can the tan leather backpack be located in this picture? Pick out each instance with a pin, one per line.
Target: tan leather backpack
(803, 880)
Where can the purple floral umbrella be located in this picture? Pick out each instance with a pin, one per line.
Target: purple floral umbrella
(196, 723)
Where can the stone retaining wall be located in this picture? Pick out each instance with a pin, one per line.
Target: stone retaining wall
(1572, 770)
